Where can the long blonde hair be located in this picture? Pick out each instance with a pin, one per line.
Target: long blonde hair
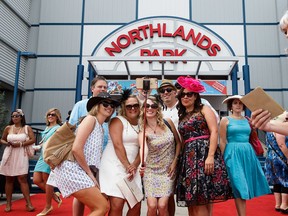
(159, 115)
(58, 115)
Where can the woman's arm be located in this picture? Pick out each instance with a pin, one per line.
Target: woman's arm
(177, 149)
(213, 128)
(31, 136)
(223, 133)
(281, 143)
(4, 136)
(83, 132)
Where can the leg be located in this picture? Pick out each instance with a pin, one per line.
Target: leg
(22, 179)
(201, 210)
(210, 209)
(9, 190)
(152, 206)
(116, 206)
(78, 208)
(135, 211)
(240, 206)
(49, 196)
(163, 206)
(277, 196)
(171, 205)
(88, 196)
(284, 199)
(38, 180)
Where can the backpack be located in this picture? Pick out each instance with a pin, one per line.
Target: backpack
(59, 145)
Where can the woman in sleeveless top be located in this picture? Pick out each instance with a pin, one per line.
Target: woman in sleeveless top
(162, 148)
(15, 162)
(243, 167)
(202, 178)
(42, 169)
(76, 178)
(121, 155)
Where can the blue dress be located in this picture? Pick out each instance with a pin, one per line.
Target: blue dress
(243, 167)
(275, 170)
(41, 166)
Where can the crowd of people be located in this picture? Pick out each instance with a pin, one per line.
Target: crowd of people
(169, 139)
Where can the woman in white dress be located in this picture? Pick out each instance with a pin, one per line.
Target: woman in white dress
(121, 156)
(16, 136)
(76, 178)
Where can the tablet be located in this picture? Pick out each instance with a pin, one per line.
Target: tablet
(259, 99)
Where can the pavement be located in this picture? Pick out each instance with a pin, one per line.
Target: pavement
(180, 211)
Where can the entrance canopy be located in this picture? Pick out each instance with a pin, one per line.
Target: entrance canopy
(163, 66)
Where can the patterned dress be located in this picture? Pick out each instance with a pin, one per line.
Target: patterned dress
(243, 167)
(193, 186)
(70, 177)
(161, 152)
(276, 170)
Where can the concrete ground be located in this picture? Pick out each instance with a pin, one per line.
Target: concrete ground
(179, 211)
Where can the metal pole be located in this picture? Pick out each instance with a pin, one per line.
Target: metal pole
(15, 93)
(80, 72)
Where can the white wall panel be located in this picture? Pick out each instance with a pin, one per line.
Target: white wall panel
(94, 34)
(262, 40)
(149, 8)
(105, 11)
(9, 23)
(21, 6)
(56, 72)
(35, 12)
(7, 63)
(260, 11)
(64, 11)
(220, 11)
(57, 40)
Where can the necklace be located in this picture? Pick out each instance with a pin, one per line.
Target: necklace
(154, 130)
(133, 127)
(16, 130)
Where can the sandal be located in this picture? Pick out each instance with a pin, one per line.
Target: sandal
(7, 209)
(30, 208)
(57, 198)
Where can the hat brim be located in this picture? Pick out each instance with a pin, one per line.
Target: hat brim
(96, 100)
(231, 98)
(165, 85)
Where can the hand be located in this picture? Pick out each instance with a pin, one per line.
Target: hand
(172, 169)
(90, 174)
(260, 119)
(209, 165)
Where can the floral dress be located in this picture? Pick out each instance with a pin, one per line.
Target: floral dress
(193, 186)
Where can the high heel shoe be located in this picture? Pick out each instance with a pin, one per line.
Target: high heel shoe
(45, 212)
(58, 198)
(30, 208)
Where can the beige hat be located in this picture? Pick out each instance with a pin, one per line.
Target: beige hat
(232, 97)
(166, 82)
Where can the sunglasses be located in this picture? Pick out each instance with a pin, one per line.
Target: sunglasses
(153, 106)
(15, 116)
(134, 106)
(51, 114)
(178, 86)
(107, 104)
(166, 89)
(188, 94)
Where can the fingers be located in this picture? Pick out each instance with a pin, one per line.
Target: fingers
(260, 118)
(209, 169)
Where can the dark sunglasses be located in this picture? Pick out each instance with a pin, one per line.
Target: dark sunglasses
(188, 94)
(134, 106)
(51, 114)
(15, 116)
(166, 89)
(153, 106)
(178, 86)
(106, 104)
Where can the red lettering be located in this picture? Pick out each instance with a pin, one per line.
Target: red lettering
(214, 48)
(121, 38)
(165, 34)
(180, 32)
(143, 29)
(205, 40)
(115, 48)
(191, 35)
(155, 30)
(180, 54)
(145, 52)
(134, 34)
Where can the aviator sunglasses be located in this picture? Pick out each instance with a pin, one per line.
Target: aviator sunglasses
(153, 106)
(15, 116)
(166, 89)
(134, 106)
(106, 104)
(188, 94)
(51, 114)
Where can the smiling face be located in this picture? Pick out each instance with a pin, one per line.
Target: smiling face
(237, 106)
(151, 109)
(51, 117)
(132, 108)
(106, 108)
(16, 117)
(99, 86)
(188, 99)
(168, 95)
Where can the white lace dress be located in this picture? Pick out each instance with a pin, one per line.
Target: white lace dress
(69, 176)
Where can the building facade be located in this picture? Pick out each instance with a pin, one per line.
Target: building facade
(50, 49)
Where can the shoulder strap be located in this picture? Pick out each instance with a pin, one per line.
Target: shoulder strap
(26, 129)
(168, 125)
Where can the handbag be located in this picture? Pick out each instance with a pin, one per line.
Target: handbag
(29, 150)
(254, 140)
(59, 146)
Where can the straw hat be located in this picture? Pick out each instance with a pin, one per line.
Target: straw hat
(232, 97)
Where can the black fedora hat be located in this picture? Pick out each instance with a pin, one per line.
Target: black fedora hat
(101, 97)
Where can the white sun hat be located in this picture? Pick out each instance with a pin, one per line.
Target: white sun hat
(231, 97)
